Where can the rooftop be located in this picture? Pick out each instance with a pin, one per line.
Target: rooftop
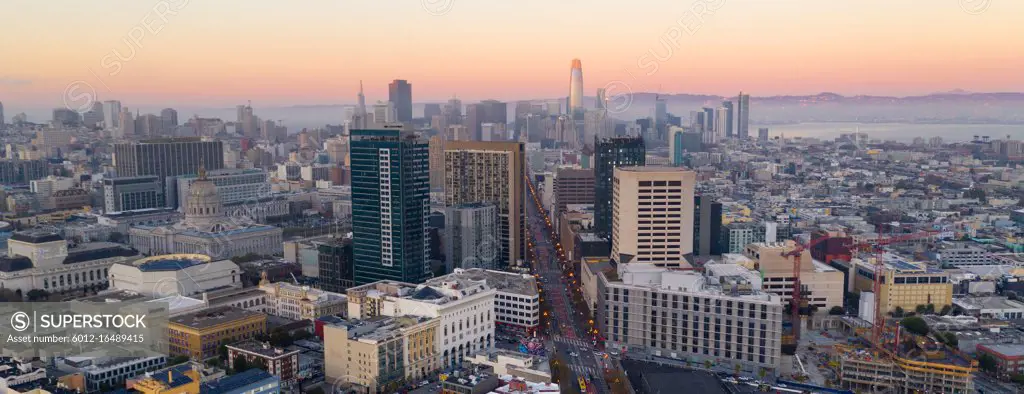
(989, 302)
(379, 328)
(263, 349)
(681, 280)
(212, 317)
(506, 282)
(35, 237)
(1007, 350)
(116, 296)
(234, 383)
(171, 262)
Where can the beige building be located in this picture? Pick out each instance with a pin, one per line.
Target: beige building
(381, 353)
(491, 172)
(824, 284)
(652, 215)
(905, 284)
(301, 302)
(436, 148)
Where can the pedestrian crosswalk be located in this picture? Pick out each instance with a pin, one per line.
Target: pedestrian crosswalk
(583, 370)
(573, 341)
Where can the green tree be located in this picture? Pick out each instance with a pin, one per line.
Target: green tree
(836, 311)
(897, 312)
(707, 364)
(952, 340)
(945, 310)
(920, 309)
(38, 295)
(222, 351)
(915, 325)
(1017, 378)
(176, 360)
(736, 369)
(930, 309)
(987, 363)
(761, 373)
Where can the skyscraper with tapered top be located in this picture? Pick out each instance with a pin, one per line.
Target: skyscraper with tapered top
(576, 87)
(743, 116)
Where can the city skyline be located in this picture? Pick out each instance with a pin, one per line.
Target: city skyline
(861, 48)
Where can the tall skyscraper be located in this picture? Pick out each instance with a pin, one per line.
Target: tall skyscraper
(437, 162)
(709, 119)
(166, 157)
(112, 114)
(2, 120)
(471, 237)
(762, 134)
(602, 99)
(609, 154)
(126, 125)
(384, 113)
(430, 110)
(660, 111)
(743, 116)
(729, 119)
(487, 111)
(491, 172)
(652, 215)
(707, 226)
(722, 121)
(390, 205)
(400, 93)
(676, 149)
(360, 100)
(576, 87)
(240, 115)
(169, 119)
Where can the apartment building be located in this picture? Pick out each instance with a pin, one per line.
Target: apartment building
(720, 317)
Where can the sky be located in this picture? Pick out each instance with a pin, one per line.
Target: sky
(223, 52)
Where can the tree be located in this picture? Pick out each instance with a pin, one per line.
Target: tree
(915, 325)
(38, 295)
(707, 364)
(836, 311)
(920, 309)
(736, 369)
(930, 309)
(987, 363)
(897, 312)
(222, 351)
(241, 364)
(1017, 378)
(116, 237)
(945, 310)
(177, 360)
(762, 373)
(952, 340)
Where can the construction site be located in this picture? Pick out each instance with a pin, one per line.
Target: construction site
(883, 357)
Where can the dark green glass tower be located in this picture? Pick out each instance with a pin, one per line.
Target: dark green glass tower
(390, 205)
(609, 154)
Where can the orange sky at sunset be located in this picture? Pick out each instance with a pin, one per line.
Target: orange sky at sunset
(315, 52)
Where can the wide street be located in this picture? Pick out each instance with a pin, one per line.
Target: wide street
(568, 331)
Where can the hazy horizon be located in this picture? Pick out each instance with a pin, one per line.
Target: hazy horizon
(175, 53)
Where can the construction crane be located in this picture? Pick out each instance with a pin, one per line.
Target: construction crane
(879, 268)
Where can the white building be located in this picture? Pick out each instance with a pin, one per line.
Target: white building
(112, 114)
(40, 260)
(233, 186)
(721, 317)
(516, 302)
(175, 274)
(46, 187)
(466, 311)
(301, 302)
(207, 230)
(103, 371)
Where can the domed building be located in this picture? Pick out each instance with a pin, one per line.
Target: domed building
(207, 230)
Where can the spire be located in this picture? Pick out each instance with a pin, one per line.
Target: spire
(202, 170)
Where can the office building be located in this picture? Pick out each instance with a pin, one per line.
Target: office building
(384, 113)
(66, 117)
(2, 119)
(707, 226)
(762, 134)
(400, 93)
(491, 172)
(132, 193)
(728, 132)
(390, 205)
(112, 114)
(573, 186)
(94, 116)
(736, 236)
(335, 268)
(377, 354)
(743, 116)
(685, 315)
(471, 232)
(126, 123)
(516, 300)
(430, 110)
(576, 87)
(822, 284)
(709, 121)
(169, 120)
(487, 111)
(652, 215)
(676, 148)
(465, 310)
(602, 99)
(165, 157)
(609, 154)
(234, 186)
(197, 335)
(22, 172)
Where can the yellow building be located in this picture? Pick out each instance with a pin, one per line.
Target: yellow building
(179, 379)
(381, 353)
(199, 334)
(904, 284)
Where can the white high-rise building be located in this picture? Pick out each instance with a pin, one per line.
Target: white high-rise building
(112, 114)
(126, 124)
(384, 113)
(652, 215)
(721, 122)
